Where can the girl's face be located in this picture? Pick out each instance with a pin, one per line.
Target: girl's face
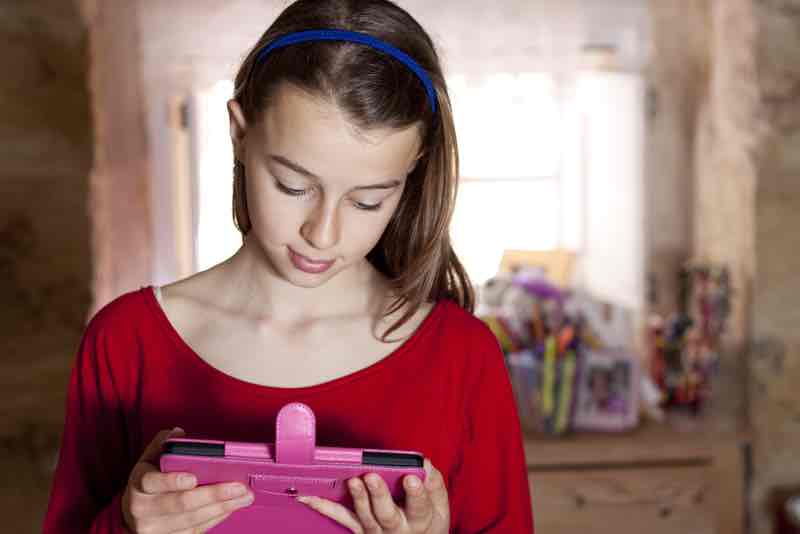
(319, 194)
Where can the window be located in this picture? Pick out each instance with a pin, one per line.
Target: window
(216, 238)
(544, 164)
(509, 129)
(510, 143)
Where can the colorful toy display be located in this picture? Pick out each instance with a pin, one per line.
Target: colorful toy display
(558, 356)
(685, 348)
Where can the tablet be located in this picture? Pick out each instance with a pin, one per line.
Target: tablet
(277, 473)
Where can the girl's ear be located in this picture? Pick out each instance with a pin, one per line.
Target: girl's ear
(421, 151)
(415, 161)
(238, 128)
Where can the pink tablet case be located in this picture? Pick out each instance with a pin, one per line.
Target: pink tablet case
(277, 473)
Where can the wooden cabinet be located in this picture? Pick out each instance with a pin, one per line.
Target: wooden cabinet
(656, 500)
(659, 479)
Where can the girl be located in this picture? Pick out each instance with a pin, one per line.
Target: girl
(345, 295)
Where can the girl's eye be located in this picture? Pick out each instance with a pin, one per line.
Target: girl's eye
(290, 191)
(303, 192)
(367, 207)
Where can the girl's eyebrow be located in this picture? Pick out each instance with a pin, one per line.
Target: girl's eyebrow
(391, 184)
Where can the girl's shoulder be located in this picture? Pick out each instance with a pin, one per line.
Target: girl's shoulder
(121, 312)
(115, 334)
(462, 324)
(471, 351)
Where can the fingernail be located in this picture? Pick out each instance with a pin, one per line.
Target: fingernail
(413, 482)
(246, 500)
(234, 490)
(372, 482)
(302, 499)
(176, 429)
(186, 481)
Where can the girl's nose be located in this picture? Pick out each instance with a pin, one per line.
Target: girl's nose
(321, 229)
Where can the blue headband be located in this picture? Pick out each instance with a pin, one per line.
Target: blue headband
(353, 37)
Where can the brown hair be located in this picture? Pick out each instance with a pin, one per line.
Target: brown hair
(374, 90)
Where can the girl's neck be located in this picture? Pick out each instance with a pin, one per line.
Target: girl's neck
(250, 284)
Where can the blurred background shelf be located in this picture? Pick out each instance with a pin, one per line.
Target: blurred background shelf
(678, 439)
(683, 475)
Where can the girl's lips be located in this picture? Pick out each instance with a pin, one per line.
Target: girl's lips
(308, 265)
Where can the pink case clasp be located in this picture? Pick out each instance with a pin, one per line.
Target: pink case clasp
(295, 434)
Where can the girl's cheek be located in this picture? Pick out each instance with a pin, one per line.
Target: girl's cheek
(285, 215)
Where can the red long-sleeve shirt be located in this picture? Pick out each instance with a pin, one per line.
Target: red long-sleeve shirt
(444, 392)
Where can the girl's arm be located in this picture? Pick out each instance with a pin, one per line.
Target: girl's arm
(93, 462)
(489, 492)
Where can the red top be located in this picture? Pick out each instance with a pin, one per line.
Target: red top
(444, 392)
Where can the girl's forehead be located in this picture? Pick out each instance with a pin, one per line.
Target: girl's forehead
(313, 131)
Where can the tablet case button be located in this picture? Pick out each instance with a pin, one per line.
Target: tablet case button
(280, 483)
(278, 488)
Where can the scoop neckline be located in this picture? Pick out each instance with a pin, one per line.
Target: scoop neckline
(202, 365)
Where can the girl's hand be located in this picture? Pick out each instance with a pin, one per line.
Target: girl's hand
(159, 503)
(427, 508)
